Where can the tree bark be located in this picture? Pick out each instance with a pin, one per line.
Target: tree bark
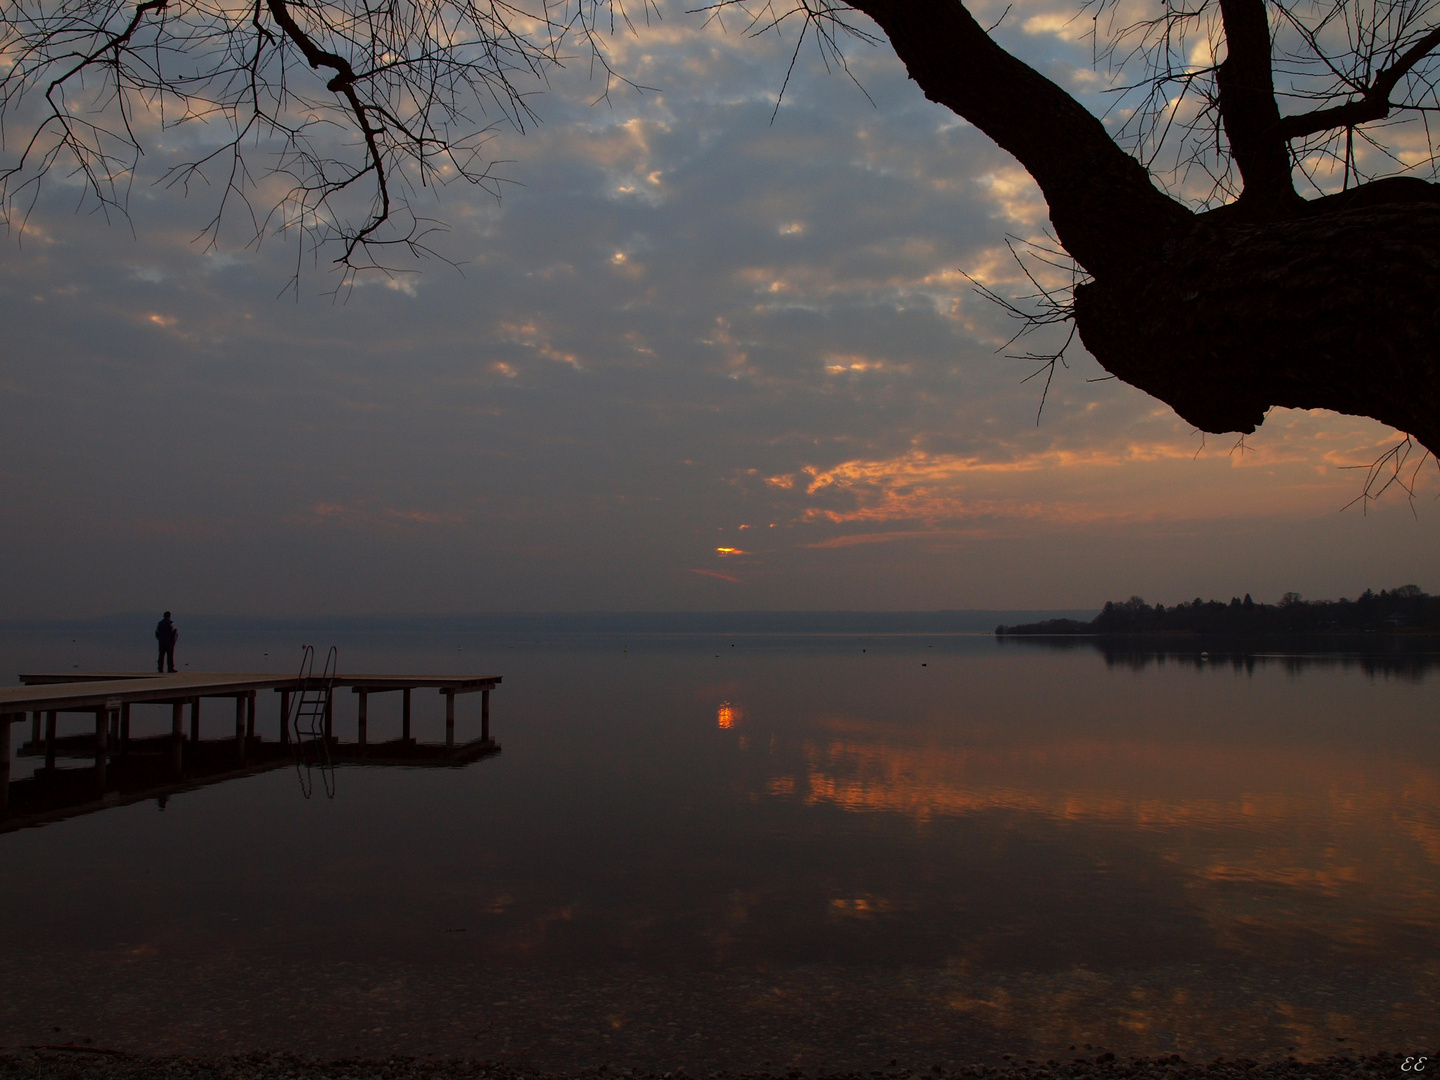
(1334, 309)
(1270, 301)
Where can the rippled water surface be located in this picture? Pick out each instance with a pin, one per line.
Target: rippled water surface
(721, 851)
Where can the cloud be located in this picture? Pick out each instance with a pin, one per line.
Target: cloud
(714, 574)
(679, 317)
(1066, 26)
(851, 539)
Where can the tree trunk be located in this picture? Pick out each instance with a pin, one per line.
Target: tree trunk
(1336, 309)
(1328, 304)
(1105, 208)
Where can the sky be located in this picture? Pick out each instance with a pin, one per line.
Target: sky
(699, 355)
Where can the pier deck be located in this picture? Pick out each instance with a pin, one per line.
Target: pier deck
(86, 689)
(139, 768)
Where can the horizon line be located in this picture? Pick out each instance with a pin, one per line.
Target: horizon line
(570, 613)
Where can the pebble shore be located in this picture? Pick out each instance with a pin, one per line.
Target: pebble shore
(64, 1063)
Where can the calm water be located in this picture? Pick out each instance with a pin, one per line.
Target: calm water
(722, 851)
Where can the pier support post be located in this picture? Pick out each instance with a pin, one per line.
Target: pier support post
(449, 717)
(240, 726)
(50, 740)
(250, 716)
(35, 728)
(195, 719)
(124, 727)
(363, 722)
(102, 732)
(485, 715)
(405, 715)
(5, 761)
(329, 716)
(177, 737)
(284, 717)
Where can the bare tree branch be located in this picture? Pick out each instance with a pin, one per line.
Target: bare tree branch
(1248, 109)
(421, 84)
(1387, 471)
(1374, 101)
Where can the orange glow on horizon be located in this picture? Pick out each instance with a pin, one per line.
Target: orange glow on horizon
(725, 716)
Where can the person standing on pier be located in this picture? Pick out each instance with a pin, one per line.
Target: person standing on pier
(166, 635)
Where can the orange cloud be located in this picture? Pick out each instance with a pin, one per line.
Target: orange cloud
(890, 537)
(530, 336)
(1293, 466)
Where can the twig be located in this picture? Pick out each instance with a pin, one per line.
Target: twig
(1388, 467)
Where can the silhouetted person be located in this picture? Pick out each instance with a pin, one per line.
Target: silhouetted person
(166, 635)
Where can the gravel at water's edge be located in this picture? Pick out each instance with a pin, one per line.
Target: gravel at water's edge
(61, 1063)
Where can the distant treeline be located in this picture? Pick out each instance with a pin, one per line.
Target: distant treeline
(1403, 610)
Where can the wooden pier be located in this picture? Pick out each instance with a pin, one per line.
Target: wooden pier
(126, 769)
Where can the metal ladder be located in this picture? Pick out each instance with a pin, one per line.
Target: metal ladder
(307, 719)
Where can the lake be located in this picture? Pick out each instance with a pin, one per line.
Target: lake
(739, 850)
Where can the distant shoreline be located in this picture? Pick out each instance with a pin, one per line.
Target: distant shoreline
(1405, 612)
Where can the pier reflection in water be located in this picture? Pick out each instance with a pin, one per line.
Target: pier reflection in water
(794, 851)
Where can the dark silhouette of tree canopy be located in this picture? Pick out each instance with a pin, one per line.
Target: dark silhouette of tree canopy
(1406, 610)
(1255, 220)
